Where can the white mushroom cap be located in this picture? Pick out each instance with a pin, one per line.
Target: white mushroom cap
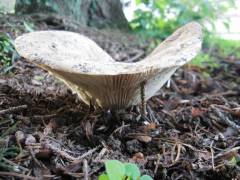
(94, 75)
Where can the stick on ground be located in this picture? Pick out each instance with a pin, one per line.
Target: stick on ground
(13, 109)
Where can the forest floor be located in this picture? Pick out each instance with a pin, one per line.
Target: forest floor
(47, 132)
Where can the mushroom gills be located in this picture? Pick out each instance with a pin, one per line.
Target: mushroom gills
(96, 77)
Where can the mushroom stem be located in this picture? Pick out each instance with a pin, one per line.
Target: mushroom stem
(143, 101)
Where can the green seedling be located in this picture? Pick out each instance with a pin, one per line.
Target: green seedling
(116, 170)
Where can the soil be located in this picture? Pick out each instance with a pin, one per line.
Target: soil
(192, 129)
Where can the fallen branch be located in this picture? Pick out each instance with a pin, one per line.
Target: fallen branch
(101, 154)
(13, 109)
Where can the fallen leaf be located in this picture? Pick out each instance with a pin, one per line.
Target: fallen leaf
(144, 138)
(149, 127)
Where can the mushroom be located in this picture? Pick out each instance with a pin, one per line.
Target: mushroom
(96, 77)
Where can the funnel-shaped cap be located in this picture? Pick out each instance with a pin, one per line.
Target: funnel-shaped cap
(95, 76)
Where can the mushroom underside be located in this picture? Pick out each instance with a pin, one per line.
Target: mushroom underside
(115, 91)
(96, 77)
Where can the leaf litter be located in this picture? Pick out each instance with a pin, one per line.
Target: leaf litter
(47, 132)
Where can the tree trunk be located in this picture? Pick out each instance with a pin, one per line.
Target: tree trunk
(97, 13)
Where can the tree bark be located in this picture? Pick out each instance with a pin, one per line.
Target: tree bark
(97, 13)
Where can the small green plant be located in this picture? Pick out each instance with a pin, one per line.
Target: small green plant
(7, 53)
(116, 170)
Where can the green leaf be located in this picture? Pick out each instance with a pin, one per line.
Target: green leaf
(103, 177)
(146, 177)
(132, 171)
(115, 169)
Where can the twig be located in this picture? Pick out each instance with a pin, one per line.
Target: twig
(152, 115)
(11, 174)
(13, 109)
(101, 154)
(157, 164)
(184, 144)
(234, 111)
(43, 117)
(121, 128)
(227, 93)
(85, 169)
(88, 153)
(226, 152)
(69, 157)
(212, 155)
(178, 145)
(225, 118)
(61, 153)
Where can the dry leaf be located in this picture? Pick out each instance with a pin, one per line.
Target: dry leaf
(149, 127)
(144, 138)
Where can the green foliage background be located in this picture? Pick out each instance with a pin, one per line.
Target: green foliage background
(159, 18)
(8, 53)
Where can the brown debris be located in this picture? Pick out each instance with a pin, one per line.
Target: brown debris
(193, 131)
